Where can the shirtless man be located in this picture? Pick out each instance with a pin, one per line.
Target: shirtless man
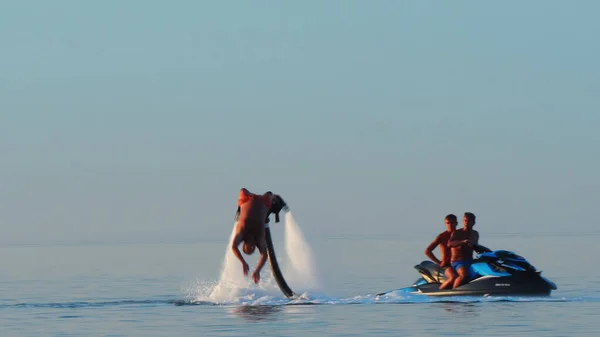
(461, 248)
(252, 214)
(442, 241)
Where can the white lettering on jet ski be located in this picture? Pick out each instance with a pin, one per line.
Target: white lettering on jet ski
(502, 284)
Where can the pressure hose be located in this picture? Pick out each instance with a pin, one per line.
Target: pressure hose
(277, 206)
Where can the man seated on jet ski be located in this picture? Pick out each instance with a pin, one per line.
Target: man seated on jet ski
(442, 241)
(461, 244)
(252, 215)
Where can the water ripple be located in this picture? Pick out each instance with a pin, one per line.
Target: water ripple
(303, 301)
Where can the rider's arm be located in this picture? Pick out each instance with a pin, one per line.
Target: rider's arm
(430, 248)
(234, 247)
(453, 242)
(475, 238)
(263, 257)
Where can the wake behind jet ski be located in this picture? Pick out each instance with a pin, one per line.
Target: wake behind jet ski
(492, 273)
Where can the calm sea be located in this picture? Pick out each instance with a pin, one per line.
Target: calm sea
(163, 289)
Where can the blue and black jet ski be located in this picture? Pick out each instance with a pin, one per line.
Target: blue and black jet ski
(492, 273)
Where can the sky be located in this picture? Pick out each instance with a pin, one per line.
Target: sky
(141, 120)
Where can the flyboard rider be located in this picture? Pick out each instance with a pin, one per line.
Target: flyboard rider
(252, 215)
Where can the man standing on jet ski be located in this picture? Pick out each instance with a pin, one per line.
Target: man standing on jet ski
(252, 214)
(442, 241)
(461, 248)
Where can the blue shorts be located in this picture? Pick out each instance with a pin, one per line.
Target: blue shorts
(459, 264)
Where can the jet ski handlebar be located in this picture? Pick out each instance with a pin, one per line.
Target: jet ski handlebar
(481, 249)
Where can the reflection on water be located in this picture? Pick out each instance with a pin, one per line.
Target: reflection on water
(256, 312)
(464, 309)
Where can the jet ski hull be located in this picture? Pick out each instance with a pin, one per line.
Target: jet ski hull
(488, 286)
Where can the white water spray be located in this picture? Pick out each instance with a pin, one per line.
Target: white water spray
(303, 274)
(233, 286)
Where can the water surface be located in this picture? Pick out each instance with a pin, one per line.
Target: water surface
(156, 289)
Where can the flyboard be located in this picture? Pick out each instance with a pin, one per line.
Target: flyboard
(275, 209)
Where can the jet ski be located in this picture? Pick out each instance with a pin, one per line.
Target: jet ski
(492, 273)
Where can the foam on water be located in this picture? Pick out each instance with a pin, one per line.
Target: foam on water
(233, 286)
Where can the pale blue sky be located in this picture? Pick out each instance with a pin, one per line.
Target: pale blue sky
(140, 120)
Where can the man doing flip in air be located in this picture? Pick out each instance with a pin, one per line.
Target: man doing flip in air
(252, 214)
